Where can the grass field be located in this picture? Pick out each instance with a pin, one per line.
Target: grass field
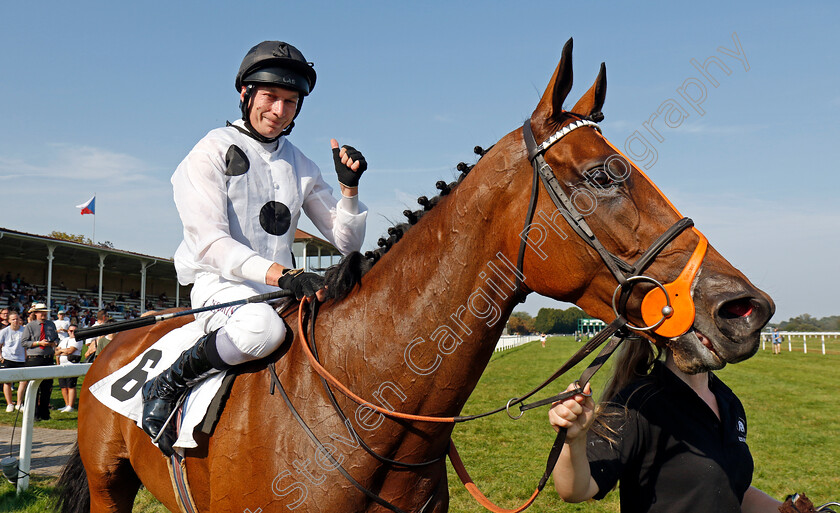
(790, 399)
(57, 420)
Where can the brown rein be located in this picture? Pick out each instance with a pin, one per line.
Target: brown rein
(453, 454)
(324, 373)
(625, 273)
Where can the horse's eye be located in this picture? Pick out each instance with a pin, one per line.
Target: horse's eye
(597, 177)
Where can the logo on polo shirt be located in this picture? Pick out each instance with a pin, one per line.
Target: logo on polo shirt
(742, 430)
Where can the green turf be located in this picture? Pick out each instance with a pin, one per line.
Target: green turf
(794, 430)
(790, 399)
(57, 420)
(40, 497)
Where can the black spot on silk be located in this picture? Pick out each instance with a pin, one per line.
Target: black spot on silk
(236, 162)
(275, 218)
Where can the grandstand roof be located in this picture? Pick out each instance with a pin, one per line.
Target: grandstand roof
(308, 238)
(31, 247)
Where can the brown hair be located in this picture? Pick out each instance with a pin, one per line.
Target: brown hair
(634, 361)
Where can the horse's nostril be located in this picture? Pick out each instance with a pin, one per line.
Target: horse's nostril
(736, 309)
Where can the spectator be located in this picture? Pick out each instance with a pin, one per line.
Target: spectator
(40, 338)
(61, 325)
(69, 351)
(12, 356)
(4, 317)
(96, 346)
(777, 341)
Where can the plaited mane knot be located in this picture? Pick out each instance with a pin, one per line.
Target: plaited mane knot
(342, 277)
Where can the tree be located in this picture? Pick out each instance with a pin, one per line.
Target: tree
(546, 318)
(806, 322)
(567, 322)
(81, 239)
(554, 320)
(516, 326)
(520, 323)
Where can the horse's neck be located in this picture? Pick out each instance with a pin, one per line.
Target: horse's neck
(426, 318)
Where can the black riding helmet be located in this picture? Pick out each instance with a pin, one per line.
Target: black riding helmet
(278, 64)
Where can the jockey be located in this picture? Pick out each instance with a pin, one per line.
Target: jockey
(239, 194)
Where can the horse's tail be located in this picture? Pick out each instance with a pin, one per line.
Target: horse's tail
(73, 492)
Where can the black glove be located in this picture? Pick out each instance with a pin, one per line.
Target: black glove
(347, 176)
(301, 283)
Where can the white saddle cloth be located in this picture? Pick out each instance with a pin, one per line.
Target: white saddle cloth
(121, 391)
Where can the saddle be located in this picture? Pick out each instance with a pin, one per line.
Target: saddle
(176, 463)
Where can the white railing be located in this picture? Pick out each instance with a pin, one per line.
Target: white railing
(801, 336)
(35, 375)
(510, 341)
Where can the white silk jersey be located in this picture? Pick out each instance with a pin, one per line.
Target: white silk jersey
(240, 203)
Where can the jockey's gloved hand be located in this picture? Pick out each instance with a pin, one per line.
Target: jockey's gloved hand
(346, 175)
(301, 283)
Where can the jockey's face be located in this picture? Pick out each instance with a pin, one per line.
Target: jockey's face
(272, 109)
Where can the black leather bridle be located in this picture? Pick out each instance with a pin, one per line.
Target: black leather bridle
(625, 274)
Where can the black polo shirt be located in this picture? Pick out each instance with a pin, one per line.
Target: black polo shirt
(672, 454)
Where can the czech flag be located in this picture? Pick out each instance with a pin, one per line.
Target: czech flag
(88, 207)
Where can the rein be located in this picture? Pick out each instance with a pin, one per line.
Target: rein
(309, 349)
(674, 320)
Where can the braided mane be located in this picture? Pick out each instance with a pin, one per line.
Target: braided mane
(347, 273)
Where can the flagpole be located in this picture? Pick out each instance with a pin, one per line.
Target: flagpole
(94, 223)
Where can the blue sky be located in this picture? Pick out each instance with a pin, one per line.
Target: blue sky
(108, 97)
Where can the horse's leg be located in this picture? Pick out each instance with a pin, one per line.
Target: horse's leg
(112, 482)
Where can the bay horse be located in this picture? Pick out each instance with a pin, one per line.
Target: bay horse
(416, 327)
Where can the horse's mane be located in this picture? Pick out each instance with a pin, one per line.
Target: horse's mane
(342, 277)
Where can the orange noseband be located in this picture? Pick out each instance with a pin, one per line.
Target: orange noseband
(677, 319)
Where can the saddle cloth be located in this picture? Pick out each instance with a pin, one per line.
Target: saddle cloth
(121, 390)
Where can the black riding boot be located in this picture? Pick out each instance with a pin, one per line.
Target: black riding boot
(162, 393)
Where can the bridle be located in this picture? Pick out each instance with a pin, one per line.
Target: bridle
(668, 309)
(669, 315)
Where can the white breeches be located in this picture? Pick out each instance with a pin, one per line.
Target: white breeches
(247, 332)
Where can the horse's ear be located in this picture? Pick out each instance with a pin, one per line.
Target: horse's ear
(591, 103)
(551, 104)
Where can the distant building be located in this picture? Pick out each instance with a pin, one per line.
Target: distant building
(589, 327)
(102, 273)
(312, 253)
